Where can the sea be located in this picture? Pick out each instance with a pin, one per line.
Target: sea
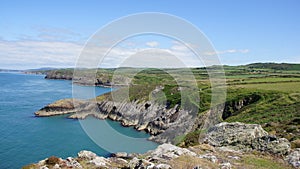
(26, 139)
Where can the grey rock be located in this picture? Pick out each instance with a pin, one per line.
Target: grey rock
(294, 158)
(169, 151)
(162, 166)
(87, 155)
(245, 137)
(234, 157)
(120, 155)
(155, 119)
(99, 161)
(72, 163)
(210, 157)
(225, 166)
(44, 167)
(140, 163)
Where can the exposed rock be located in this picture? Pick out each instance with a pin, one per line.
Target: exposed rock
(140, 163)
(87, 155)
(72, 163)
(294, 158)
(168, 152)
(246, 137)
(99, 161)
(169, 156)
(59, 107)
(56, 166)
(234, 157)
(162, 166)
(155, 119)
(210, 157)
(121, 155)
(44, 167)
(225, 166)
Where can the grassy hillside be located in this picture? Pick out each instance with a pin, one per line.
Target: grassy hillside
(273, 88)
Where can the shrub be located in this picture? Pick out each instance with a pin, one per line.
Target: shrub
(52, 160)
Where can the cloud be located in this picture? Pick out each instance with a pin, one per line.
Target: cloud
(34, 54)
(152, 44)
(31, 53)
(229, 51)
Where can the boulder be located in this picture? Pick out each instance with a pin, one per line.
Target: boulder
(169, 151)
(87, 155)
(294, 158)
(245, 137)
(99, 161)
(72, 163)
(140, 163)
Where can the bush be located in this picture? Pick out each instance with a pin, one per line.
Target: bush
(52, 160)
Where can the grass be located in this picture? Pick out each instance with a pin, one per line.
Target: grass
(279, 86)
(276, 86)
(254, 162)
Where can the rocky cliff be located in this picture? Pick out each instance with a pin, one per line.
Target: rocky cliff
(155, 119)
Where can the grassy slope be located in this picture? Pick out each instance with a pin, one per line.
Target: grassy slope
(278, 86)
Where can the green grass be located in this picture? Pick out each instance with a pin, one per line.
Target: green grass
(279, 86)
(254, 162)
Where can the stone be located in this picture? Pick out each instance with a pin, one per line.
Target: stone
(210, 157)
(234, 157)
(225, 166)
(44, 167)
(72, 163)
(99, 161)
(120, 155)
(162, 166)
(87, 155)
(140, 163)
(56, 166)
(169, 151)
(246, 137)
(294, 158)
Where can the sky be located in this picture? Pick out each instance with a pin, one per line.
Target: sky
(36, 34)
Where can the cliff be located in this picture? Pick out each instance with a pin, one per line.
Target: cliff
(155, 119)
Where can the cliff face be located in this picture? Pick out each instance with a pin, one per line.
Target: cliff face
(150, 117)
(57, 75)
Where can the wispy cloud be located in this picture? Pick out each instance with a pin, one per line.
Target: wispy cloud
(152, 44)
(29, 53)
(49, 50)
(229, 51)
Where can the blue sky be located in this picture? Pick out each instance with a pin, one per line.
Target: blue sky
(40, 34)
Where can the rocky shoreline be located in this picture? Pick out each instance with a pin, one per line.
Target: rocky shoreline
(225, 146)
(150, 117)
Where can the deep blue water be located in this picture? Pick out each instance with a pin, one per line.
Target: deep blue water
(27, 139)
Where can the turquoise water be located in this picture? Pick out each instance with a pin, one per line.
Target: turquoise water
(27, 139)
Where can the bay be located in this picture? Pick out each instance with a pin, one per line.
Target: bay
(26, 139)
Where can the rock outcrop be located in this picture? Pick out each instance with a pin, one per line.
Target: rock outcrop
(65, 106)
(155, 119)
(246, 137)
(294, 158)
(165, 156)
